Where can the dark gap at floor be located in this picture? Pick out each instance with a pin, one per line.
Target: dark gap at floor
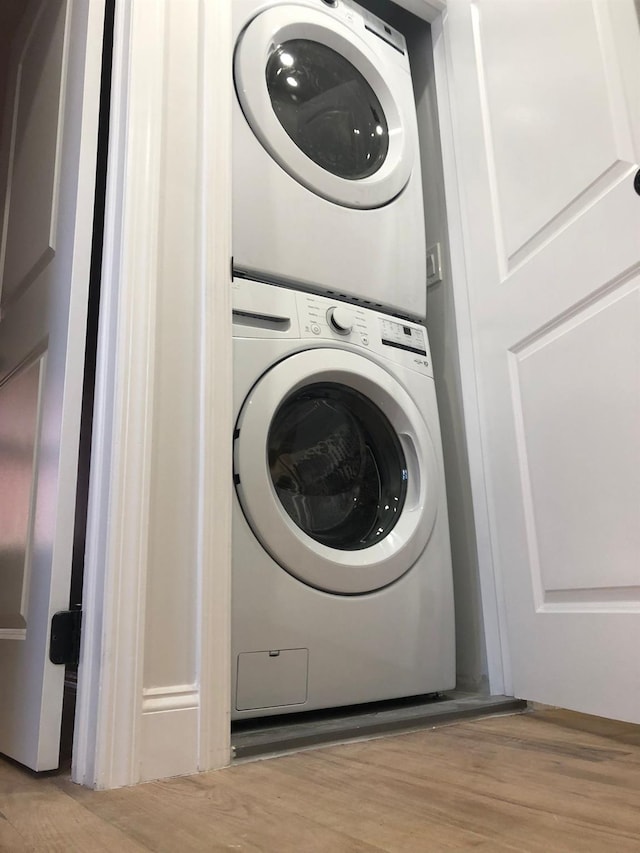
(267, 735)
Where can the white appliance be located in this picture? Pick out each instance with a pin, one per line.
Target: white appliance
(325, 154)
(342, 587)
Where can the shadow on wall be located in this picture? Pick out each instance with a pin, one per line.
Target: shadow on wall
(441, 325)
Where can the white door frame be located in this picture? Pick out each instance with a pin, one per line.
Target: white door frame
(113, 708)
(126, 730)
(491, 590)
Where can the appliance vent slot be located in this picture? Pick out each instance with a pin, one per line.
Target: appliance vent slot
(261, 321)
(383, 38)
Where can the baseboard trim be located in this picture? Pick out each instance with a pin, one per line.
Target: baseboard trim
(179, 697)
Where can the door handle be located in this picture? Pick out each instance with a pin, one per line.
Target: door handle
(413, 470)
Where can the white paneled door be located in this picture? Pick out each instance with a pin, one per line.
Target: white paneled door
(47, 182)
(545, 103)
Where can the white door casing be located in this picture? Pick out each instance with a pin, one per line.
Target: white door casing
(48, 182)
(545, 103)
(167, 223)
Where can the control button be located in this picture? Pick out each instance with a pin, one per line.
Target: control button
(365, 341)
(315, 328)
(340, 319)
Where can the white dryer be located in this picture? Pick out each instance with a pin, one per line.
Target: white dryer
(342, 587)
(327, 188)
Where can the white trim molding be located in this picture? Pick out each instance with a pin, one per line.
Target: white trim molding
(168, 735)
(177, 697)
(13, 633)
(109, 701)
(493, 605)
(122, 721)
(214, 614)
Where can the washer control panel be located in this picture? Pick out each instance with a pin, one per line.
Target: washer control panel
(403, 336)
(340, 319)
(401, 341)
(326, 318)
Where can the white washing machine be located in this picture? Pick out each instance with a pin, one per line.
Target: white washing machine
(342, 587)
(325, 154)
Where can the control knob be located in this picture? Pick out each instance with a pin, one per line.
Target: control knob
(340, 319)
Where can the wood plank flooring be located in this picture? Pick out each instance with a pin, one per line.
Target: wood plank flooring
(545, 781)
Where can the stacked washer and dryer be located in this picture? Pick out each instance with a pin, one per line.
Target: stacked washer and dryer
(342, 587)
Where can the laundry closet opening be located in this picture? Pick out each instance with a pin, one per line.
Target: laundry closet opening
(262, 734)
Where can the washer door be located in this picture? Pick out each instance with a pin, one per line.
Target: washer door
(317, 98)
(335, 471)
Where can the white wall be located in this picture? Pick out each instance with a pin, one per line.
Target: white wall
(441, 323)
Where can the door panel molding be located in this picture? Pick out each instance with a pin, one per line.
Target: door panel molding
(49, 169)
(37, 127)
(573, 297)
(20, 397)
(600, 440)
(535, 190)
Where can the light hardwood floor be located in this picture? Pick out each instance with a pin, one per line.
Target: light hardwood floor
(545, 781)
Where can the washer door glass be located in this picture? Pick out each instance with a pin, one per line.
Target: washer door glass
(335, 470)
(337, 466)
(327, 108)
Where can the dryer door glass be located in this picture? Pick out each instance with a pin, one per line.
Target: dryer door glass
(327, 108)
(337, 466)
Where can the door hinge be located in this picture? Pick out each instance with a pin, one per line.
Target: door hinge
(64, 644)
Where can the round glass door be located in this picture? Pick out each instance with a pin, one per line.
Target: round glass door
(327, 108)
(337, 466)
(335, 471)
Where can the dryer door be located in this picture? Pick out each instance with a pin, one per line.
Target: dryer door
(336, 471)
(327, 108)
